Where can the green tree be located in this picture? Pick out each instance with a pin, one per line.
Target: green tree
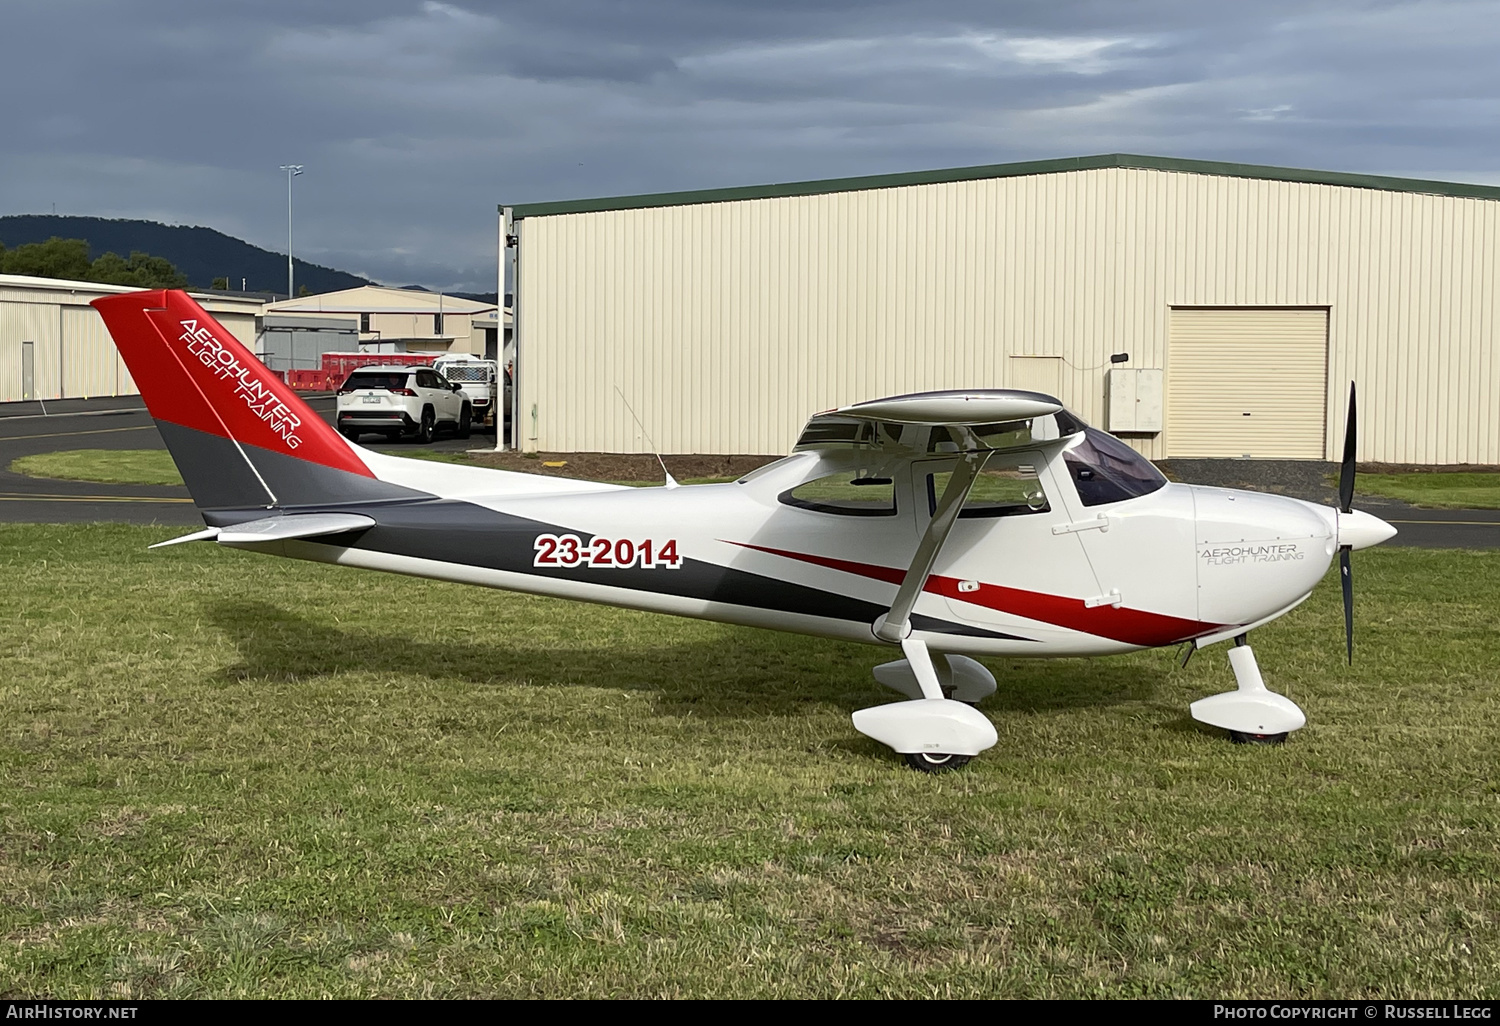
(69, 259)
(55, 258)
(142, 270)
(222, 284)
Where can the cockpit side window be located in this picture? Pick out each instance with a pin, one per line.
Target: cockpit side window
(849, 493)
(1105, 470)
(1002, 489)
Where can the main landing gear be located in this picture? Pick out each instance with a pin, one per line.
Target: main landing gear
(1251, 714)
(934, 732)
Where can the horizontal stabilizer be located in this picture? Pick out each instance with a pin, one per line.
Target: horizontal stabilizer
(207, 534)
(295, 525)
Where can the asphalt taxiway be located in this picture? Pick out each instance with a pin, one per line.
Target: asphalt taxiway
(117, 423)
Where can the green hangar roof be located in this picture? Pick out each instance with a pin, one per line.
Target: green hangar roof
(1028, 167)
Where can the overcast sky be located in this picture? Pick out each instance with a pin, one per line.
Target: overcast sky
(414, 119)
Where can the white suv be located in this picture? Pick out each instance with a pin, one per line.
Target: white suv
(400, 401)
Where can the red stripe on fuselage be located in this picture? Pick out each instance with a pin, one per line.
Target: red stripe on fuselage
(1131, 626)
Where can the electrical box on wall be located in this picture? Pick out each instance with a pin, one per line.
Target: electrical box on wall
(1134, 400)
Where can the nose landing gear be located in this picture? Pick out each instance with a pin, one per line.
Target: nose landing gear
(1252, 714)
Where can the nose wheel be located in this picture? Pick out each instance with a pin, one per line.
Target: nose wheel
(936, 762)
(1240, 737)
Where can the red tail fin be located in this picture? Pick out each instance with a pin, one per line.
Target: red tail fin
(193, 373)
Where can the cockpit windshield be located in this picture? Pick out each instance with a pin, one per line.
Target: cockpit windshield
(1105, 469)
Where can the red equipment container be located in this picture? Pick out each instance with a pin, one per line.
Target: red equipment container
(338, 366)
(307, 380)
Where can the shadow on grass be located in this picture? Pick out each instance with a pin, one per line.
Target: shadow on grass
(739, 672)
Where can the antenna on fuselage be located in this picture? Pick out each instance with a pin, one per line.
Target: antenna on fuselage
(671, 481)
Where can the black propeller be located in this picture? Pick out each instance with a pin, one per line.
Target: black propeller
(1346, 500)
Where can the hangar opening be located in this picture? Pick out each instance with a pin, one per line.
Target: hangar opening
(1247, 383)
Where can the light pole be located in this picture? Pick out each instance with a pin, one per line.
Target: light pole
(292, 171)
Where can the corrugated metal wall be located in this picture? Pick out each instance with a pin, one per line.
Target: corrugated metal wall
(91, 365)
(73, 354)
(39, 325)
(726, 324)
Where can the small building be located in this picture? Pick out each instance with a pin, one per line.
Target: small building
(402, 320)
(1197, 308)
(53, 345)
(289, 342)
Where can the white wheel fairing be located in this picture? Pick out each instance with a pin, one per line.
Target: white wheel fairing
(938, 725)
(1251, 708)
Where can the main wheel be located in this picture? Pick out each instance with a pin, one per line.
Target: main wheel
(427, 427)
(465, 422)
(936, 762)
(1240, 737)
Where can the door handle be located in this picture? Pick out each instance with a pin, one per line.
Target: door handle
(1100, 523)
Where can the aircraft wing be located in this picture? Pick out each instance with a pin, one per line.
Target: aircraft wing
(936, 422)
(958, 408)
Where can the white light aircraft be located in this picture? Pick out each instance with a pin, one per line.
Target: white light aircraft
(945, 525)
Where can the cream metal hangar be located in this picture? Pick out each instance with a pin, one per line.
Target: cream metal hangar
(1245, 296)
(53, 345)
(403, 320)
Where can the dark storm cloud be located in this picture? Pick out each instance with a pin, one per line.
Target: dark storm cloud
(415, 118)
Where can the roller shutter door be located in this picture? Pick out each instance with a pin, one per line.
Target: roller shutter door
(1247, 382)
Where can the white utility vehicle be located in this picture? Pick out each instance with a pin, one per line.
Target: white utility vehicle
(477, 377)
(397, 401)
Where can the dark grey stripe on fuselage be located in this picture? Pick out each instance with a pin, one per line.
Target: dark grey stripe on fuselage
(217, 471)
(227, 491)
(462, 533)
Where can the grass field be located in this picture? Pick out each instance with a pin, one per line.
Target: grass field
(106, 466)
(1436, 491)
(229, 775)
(155, 466)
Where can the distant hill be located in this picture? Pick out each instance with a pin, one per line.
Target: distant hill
(200, 253)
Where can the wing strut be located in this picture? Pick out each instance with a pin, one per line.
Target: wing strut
(896, 624)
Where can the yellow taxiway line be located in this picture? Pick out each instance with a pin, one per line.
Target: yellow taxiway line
(69, 434)
(42, 497)
(1469, 523)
